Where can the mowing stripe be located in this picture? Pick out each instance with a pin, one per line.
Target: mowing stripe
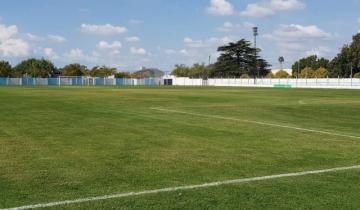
(189, 187)
(257, 122)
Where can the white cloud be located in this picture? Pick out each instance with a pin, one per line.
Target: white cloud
(170, 51)
(7, 32)
(211, 42)
(56, 38)
(77, 55)
(33, 37)
(104, 30)
(103, 45)
(9, 44)
(256, 10)
(319, 51)
(50, 53)
(220, 7)
(296, 32)
(270, 8)
(228, 27)
(294, 41)
(184, 52)
(137, 51)
(188, 40)
(287, 5)
(133, 39)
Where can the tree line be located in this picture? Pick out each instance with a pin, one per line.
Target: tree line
(42, 68)
(236, 59)
(241, 60)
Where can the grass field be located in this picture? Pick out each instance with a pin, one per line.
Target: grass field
(69, 143)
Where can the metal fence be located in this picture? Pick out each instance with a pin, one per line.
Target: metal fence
(79, 81)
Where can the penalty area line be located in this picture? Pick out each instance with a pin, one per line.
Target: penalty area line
(258, 122)
(189, 187)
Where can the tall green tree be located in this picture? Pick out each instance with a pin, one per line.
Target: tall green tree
(102, 71)
(74, 69)
(181, 71)
(240, 58)
(5, 69)
(35, 68)
(312, 62)
(348, 60)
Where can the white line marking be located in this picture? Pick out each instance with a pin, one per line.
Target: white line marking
(257, 122)
(189, 187)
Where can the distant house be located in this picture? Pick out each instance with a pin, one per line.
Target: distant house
(274, 71)
(148, 73)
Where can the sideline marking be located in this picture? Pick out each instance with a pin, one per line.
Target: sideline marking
(258, 122)
(189, 187)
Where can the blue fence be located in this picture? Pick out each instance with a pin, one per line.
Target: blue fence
(80, 81)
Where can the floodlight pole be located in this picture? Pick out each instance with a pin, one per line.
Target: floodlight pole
(255, 33)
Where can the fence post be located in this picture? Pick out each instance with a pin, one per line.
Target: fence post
(327, 80)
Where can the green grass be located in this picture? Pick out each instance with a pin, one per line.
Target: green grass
(68, 143)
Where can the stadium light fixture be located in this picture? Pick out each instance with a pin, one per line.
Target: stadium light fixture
(256, 33)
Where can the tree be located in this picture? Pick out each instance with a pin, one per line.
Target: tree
(199, 71)
(35, 68)
(181, 71)
(102, 71)
(321, 73)
(312, 62)
(5, 69)
(195, 71)
(74, 70)
(281, 61)
(348, 60)
(307, 73)
(239, 58)
(270, 75)
(282, 74)
(125, 75)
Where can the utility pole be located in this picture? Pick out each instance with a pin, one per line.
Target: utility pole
(255, 33)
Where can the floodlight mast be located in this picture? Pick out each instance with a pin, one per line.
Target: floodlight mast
(256, 33)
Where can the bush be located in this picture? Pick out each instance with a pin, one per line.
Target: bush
(125, 75)
(307, 73)
(270, 75)
(321, 73)
(282, 74)
(74, 70)
(245, 76)
(357, 75)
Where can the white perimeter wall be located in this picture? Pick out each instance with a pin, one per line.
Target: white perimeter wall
(295, 83)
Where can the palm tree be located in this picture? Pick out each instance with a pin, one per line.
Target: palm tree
(281, 61)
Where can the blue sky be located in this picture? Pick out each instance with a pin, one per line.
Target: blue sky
(128, 34)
